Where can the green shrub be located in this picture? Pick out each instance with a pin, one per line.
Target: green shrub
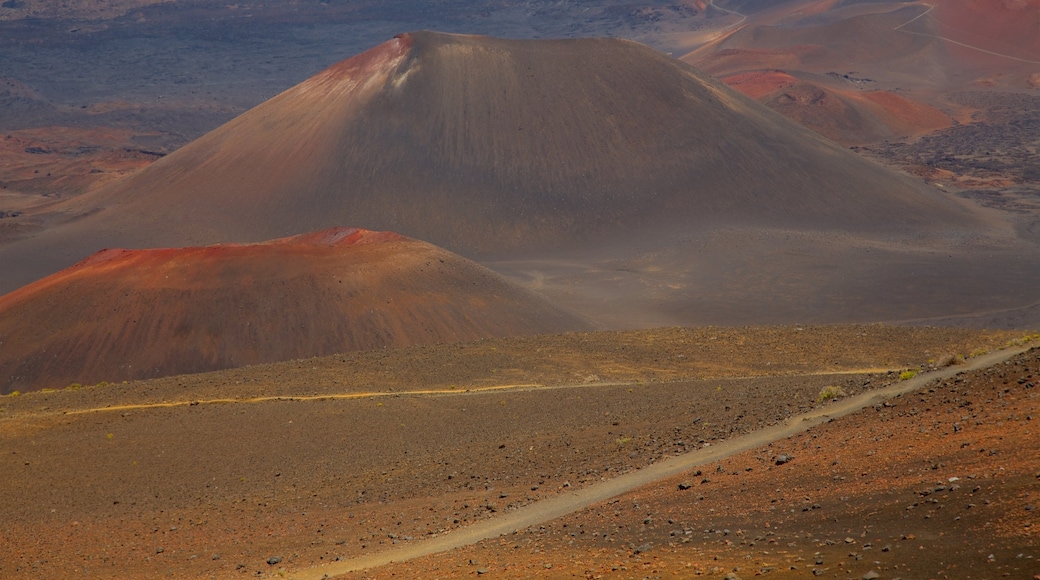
(907, 375)
(830, 392)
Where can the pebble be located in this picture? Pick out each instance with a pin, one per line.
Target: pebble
(274, 560)
(731, 576)
(872, 575)
(783, 458)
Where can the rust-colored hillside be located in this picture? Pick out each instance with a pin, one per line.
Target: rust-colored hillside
(127, 314)
(865, 72)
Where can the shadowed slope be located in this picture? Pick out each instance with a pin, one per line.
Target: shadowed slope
(127, 314)
(494, 148)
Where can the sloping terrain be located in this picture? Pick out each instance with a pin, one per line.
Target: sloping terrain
(489, 148)
(131, 314)
(867, 72)
(937, 483)
(312, 460)
(619, 182)
(839, 110)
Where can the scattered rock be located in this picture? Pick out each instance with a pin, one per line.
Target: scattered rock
(783, 458)
(274, 560)
(872, 575)
(731, 576)
(685, 486)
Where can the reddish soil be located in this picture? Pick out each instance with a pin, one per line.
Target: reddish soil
(758, 84)
(130, 314)
(853, 116)
(1003, 26)
(89, 486)
(936, 484)
(927, 49)
(847, 116)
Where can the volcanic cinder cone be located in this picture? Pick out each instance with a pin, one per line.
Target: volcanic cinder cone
(128, 314)
(491, 148)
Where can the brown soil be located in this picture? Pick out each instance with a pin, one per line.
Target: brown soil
(940, 483)
(210, 489)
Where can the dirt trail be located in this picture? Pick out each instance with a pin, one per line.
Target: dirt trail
(326, 397)
(389, 394)
(952, 41)
(561, 505)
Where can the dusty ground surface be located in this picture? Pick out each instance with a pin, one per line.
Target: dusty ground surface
(941, 483)
(205, 489)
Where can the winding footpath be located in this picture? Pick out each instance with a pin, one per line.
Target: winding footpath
(951, 41)
(561, 505)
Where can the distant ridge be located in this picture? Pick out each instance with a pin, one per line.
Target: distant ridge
(131, 314)
(491, 148)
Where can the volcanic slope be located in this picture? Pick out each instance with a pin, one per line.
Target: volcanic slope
(129, 314)
(865, 72)
(492, 148)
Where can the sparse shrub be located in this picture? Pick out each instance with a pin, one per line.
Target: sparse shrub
(73, 387)
(907, 375)
(14, 393)
(951, 360)
(977, 352)
(622, 441)
(1022, 341)
(830, 392)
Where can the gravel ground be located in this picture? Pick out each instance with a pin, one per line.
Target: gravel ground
(217, 489)
(941, 483)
